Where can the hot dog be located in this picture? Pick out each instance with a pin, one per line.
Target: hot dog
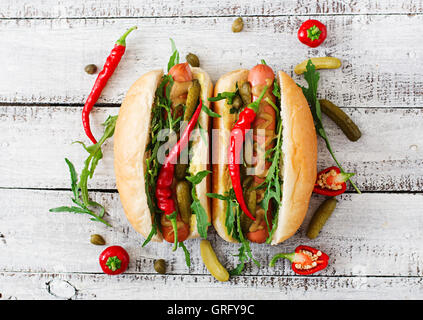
(158, 101)
(282, 181)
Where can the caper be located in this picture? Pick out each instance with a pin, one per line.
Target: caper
(90, 68)
(184, 200)
(192, 99)
(97, 240)
(245, 93)
(343, 121)
(237, 25)
(193, 60)
(160, 266)
(320, 217)
(237, 102)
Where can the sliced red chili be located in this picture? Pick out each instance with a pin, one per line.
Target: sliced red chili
(109, 67)
(305, 260)
(331, 182)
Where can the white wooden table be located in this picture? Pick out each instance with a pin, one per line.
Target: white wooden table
(374, 239)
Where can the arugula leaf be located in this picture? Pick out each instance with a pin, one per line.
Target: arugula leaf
(216, 196)
(196, 207)
(273, 189)
(210, 113)
(276, 89)
(312, 77)
(174, 58)
(80, 190)
(81, 207)
(187, 255)
(196, 179)
(244, 251)
(224, 95)
(203, 134)
(153, 230)
(158, 123)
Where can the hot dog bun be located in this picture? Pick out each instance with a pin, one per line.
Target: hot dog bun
(299, 149)
(130, 141)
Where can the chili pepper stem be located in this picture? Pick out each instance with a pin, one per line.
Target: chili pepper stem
(255, 105)
(342, 170)
(122, 40)
(172, 219)
(289, 256)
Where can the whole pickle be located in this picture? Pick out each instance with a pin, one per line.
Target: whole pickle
(181, 170)
(184, 200)
(320, 217)
(192, 99)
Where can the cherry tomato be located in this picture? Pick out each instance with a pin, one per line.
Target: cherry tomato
(114, 260)
(181, 72)
(312, 33)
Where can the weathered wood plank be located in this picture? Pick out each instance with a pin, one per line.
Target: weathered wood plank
(368, 235)
(373, 74)
(35, 141)
(155, 287)
(154, 8)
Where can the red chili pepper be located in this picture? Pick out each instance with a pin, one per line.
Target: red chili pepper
(109, 67)
(305, 260)
(165, 178)
(331, 182)
(238, 132)
(114, 260)
(312, 33)
(165, 202)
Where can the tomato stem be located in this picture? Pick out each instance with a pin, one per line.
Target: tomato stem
(313, 33)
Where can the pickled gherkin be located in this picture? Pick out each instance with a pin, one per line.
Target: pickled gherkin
(245, 93)
(192, 99)
(184, 200)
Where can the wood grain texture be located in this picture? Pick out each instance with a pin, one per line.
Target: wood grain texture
(368, 235)
(374, 239)
(156, 287)
(35, 141)
(373, 74)
(170, 8)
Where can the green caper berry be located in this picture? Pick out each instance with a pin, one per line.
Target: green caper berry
(97, 239)
(160, 266)
(238, 25)
(193, 60)
(90, 69)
